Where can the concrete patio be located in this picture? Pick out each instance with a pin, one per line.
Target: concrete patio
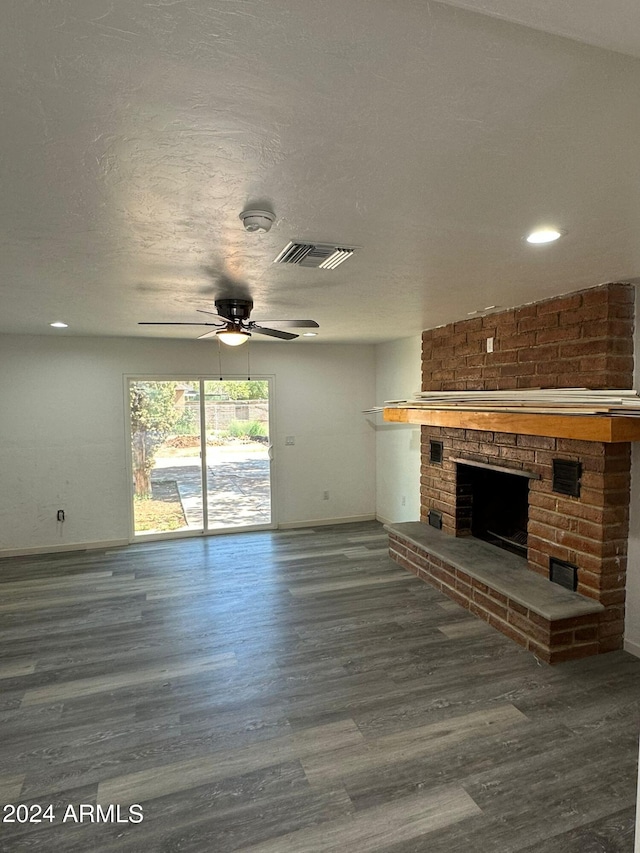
(238, 486)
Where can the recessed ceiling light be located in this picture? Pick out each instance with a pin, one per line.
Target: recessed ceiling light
(59, 325)
(471, 313)
(490, 307)
(309, 334)
(544, 235)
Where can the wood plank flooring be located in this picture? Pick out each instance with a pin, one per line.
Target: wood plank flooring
(292, 692)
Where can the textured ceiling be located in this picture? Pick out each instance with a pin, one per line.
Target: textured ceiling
(431, 137)
(612, 24)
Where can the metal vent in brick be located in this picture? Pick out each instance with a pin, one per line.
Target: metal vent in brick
(435, 519)
(319, 255)
(565, 574)
(436, 452)
(566, 477)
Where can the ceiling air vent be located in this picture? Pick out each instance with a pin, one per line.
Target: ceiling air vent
(317, 255)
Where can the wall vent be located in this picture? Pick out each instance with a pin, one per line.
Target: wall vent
(435, 519)
(564, 574)
(566, 477)
(436, 452)
(316, 255)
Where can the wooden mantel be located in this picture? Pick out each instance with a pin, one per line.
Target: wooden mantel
(603, 428)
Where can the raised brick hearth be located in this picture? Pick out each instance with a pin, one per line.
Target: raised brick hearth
(581, 340)
(553, 623)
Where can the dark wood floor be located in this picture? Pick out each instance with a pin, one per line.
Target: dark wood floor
(296, 691)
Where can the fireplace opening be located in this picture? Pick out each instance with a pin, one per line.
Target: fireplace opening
(493, 505)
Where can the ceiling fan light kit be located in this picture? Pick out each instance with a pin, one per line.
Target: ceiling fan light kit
(233, 336)
(257, 220)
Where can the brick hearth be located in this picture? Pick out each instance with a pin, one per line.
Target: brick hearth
(553, 623)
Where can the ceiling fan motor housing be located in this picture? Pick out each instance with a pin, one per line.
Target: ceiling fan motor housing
(234, 309)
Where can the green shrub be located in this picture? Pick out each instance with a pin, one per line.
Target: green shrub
(238, 429)
(188, 423)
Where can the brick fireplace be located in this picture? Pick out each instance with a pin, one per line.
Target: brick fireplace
(566, 504)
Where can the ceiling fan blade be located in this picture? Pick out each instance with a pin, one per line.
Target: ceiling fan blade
(171, 323)
(208, 334)
(212, 313)
(292, 324)
(273, 333)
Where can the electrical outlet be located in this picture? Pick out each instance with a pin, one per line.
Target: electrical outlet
(289, 439)
(404, 501)
(489, 344)
(60, 515)
(325, 496)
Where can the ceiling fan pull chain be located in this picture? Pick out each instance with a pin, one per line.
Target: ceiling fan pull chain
(248, 361)
(220, 357)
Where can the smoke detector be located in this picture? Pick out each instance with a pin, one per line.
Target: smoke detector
(257, 220)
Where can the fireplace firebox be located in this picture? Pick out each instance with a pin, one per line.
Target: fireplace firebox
(493, 505)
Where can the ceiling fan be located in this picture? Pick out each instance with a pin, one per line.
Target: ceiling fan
(234, 327)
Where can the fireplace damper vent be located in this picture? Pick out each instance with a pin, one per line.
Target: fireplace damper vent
(566, 477)
(435, 519)
(565, 574)
(436, 452)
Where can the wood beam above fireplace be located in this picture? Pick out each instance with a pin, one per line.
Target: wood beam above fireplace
(606, 429)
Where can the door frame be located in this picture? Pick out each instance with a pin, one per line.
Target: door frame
(201, 379)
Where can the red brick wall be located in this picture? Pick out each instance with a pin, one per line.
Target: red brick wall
(590, 531)
(584, 339)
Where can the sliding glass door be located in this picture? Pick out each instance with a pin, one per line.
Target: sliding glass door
(238, 453)
(200, 455)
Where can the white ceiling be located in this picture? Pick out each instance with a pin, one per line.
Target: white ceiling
(612, 24)
(432, 137)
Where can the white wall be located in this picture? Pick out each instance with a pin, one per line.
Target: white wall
(398, 376)
(62, 429)
(632, 616)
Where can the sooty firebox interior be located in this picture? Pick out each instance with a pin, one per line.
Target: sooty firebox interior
(493, 505)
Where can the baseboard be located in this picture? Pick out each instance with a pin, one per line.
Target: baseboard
(632, 648)
(323, 522)
(384, 520)
(57, 549)
(118, 543)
